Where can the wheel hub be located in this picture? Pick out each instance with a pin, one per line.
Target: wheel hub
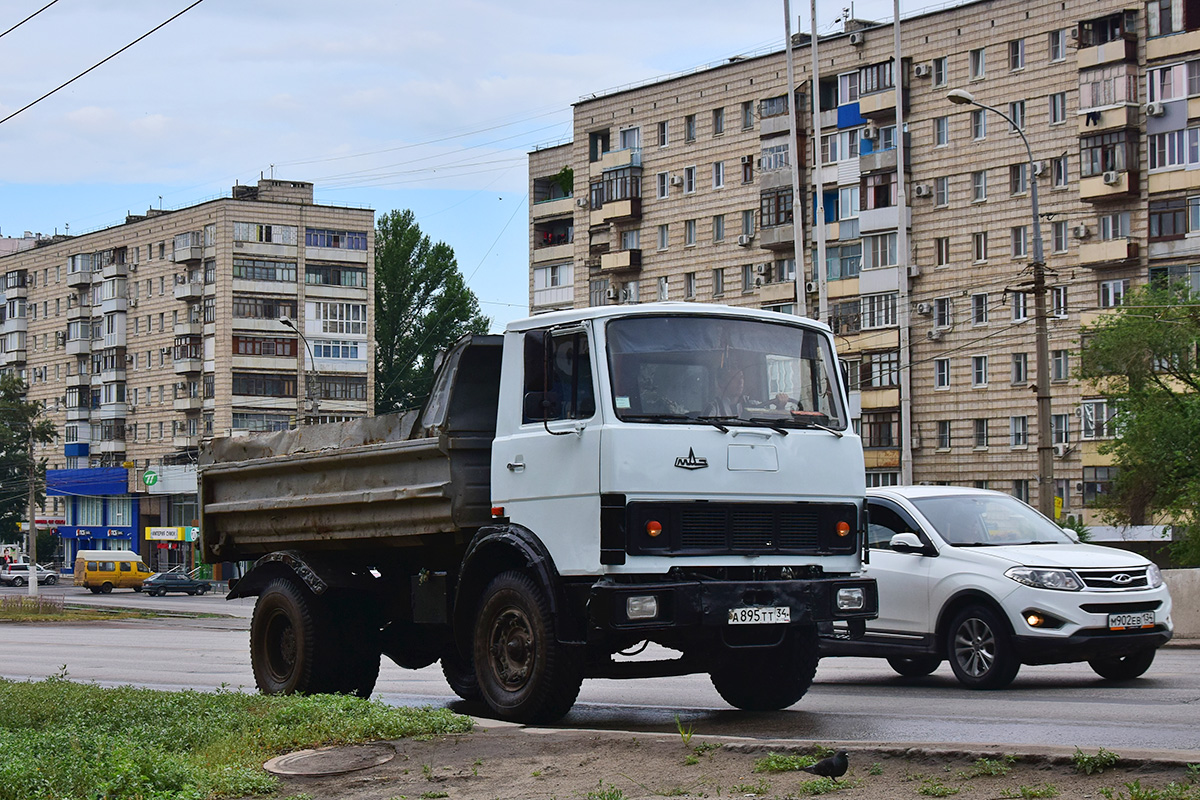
(512, 648)
(975, 647)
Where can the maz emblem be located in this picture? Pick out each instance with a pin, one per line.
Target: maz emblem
(691, 461)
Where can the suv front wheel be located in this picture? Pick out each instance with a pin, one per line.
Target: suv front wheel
(980, 649)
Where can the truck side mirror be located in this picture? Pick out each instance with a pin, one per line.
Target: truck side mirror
(908, 543)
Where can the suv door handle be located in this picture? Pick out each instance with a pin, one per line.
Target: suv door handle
(515, 466)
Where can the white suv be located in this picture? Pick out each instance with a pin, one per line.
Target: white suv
(983, 580)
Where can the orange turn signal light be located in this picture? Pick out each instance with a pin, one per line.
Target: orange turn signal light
(843, 528)
(653, 528)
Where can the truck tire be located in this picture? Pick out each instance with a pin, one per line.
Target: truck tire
(980, 649)
(291, 641)
(768, 679)
(1123, 668)
(914, 666)
(524, 674)
(460, 674)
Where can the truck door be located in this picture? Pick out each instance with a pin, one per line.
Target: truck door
(546, 464)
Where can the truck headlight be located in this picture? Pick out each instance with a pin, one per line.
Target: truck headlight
(851, 598)
(1154, 576)
(1063, 580)
(641, 607)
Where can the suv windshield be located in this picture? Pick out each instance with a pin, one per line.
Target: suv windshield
(988, 520)
(727, 371)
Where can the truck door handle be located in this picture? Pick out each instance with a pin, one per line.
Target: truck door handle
(515, 466)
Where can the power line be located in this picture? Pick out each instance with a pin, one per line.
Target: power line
(31, 16)
(100, 63)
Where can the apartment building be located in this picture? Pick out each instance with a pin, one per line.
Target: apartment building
(252, 312)
(682, 189)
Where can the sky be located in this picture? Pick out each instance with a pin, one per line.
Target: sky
(385, 104)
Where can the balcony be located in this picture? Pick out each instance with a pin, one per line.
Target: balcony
(78, 413)
(1173, 180)
(880, 104)
(182, 441)
(554, 296)
(778, 237)
(1108, 53)
(617, 211)
(190, 328)
(616, 159)
(114, 270)
(873, 220)
(1097, 120)
(187, 365)
(189, 290)
(776, 125)
(1108, 186)
(621, 260)
(16, 325)
(883, 160)
(79, 279)
(880, 398)
(79, 347)
(109, 446)
(558, 207)
(1188, 247)
(1112, 254)
(79, 379)
(188, 403)
(77, 312)
(188, 247)
(113, 304)
(15, 356)
(1176, 44)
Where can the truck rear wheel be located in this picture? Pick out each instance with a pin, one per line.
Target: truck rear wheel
(460, 674)
(524, 673)
(768, 679)
(290, 641)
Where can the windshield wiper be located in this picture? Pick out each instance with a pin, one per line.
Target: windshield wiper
(808, 423)
(714, 421)
(976, 544)
(773, 424)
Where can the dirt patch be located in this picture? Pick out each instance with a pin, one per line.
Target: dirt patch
(513, 762)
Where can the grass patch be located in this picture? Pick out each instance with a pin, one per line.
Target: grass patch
(1089, 764)
(1135, 791)
(823, 785)
(76, 741)
(989, 767)
(780, 762)
(1029, 792)
(760, 788)
(932, 787)
(54, 608)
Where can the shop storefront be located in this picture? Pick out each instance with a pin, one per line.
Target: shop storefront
(100, 513)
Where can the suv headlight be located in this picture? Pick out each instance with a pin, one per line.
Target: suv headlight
(1061, 579)
(1154, 576)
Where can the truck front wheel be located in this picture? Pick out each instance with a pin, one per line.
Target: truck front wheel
(286, 635)
(768, 679)
(524, 673)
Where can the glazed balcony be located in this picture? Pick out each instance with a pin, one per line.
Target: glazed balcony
(1104, 187)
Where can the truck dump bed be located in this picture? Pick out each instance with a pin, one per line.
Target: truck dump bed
(359, 484)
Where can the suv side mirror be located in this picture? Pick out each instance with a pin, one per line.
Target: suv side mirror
(1072, 534)
(908, 543)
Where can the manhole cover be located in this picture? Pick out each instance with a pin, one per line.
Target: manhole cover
(332, 760)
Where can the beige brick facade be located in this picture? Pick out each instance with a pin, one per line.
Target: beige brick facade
(1078, 72)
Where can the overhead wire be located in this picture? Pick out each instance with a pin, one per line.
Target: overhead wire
(31, 16)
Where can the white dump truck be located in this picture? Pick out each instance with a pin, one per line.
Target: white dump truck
(586, 482)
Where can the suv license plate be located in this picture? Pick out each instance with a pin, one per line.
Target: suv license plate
(1121, 622)
(760, 615)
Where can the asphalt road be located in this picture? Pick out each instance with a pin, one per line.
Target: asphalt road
(853, 699)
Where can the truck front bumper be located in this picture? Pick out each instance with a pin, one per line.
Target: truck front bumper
(673, 605)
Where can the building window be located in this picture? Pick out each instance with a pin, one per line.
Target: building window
(979, 245)
(748, 223)
(631, 239)
(880, 370)
(718, 174)
(342, 240)
(1060, 428)
(747, 115)
(333, 275)
(976, 64)
(689, 128)
(1058, 236)
(1106, 152)
(1019, 236)
(1107, 86)
(663, 182)
(939, 71)
(844, 261)
(1016, 111)
(1160, 21)
(689, 180)
(264, 385)
(980, 432)
(1020, 368)
(1097, 419)
(878, 478)
(1167, 150)
(1058, 108)
(941, 250)
(689, 285)
(1018, 178)
(1020, 489)
(881, 429)
(773, 157)
(718, 282)
(664, 236)
(979, 309)
(1168, 218)
(1112, 293)
(978, 124)
(943, 434)
(845, 318)
(979, 370)
(664, 133)
(338, 317)
(1016, 54)
(879, 251)
(979, 186)
(879, 310)
(941, 191)
(1058, 301)
(1097, 482)
(941, 131)
(689, 232)
(747, 277)
(941, 373)
(718, 121)
(942, 317)
(1060, 365)
(1058, 45)
(718, 226)
(776, 207)
(747, 169)
(1018, 431)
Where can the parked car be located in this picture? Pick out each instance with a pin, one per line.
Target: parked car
(160, 583)
(18, 575)
(983, 580)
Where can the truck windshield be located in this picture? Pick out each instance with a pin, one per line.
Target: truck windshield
(732, 371)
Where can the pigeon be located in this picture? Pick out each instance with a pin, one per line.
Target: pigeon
(833, 767)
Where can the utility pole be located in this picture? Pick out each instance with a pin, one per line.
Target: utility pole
(33, 573)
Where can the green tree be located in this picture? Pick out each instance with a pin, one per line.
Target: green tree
(422, 305)
(19, 420)
(1143, 359)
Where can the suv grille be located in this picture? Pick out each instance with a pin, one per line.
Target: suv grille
(1114, 580)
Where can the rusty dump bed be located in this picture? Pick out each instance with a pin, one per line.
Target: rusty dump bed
(358, 484)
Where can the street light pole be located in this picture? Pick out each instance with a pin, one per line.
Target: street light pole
(311, 395)
(1045, 447)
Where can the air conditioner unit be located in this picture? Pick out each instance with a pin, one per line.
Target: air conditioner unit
(1081, 232)
(856, 39)
(810, 287)
(747, 159)
(1073, 33)
(914, 270)
(133, 267)
(935, 335)
(1060, 450)
(133, 303)
(60, 338)
(1039, 167)
(922, 70)
(745, 239)
(613, 293)
(581, 202)
(922, 190)
(130, 409)
(129, 358)
(1155, 109)
(761, 269)
(871, 133)
(924, 309)
(677, 180)
(1111, 178)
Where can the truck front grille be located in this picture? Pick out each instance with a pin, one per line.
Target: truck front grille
(741, 528)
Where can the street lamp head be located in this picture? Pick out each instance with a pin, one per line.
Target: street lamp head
(287, 322)
(960, 97)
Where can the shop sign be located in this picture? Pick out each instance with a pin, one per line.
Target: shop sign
(165, 534)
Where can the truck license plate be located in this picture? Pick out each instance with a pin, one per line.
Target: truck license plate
(1121, 622)
(760, 615)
